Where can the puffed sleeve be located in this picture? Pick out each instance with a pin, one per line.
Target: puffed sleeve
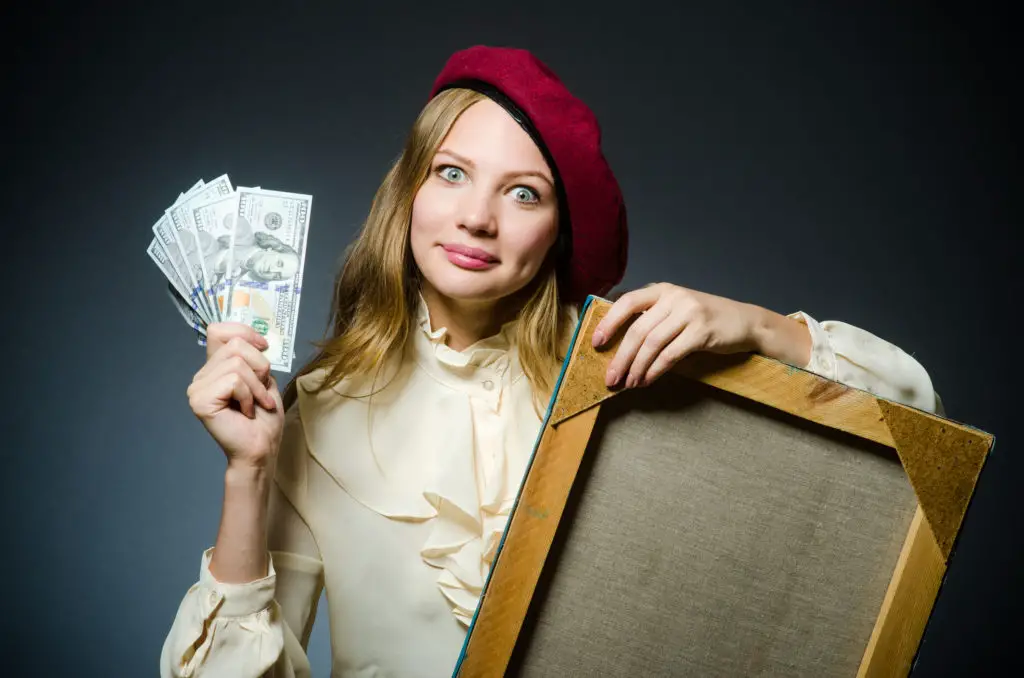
(857, 358)
(260, 628)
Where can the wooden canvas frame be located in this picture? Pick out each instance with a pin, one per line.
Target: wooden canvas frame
(942, 460)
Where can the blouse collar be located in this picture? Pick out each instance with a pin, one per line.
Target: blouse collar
(494, 354)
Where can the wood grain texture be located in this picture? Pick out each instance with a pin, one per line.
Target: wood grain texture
(531, 530)
(943, 460)
(752, 376)
(587, 365)
(907, 605)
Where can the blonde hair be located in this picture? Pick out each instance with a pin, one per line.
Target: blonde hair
(375, 298)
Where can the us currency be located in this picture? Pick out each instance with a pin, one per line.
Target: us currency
(184, 232)
(264, 266)
(214, 221)
(166, 248)
(186, 311)
(162, 259)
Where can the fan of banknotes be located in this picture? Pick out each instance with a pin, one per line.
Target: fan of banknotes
(236, 254)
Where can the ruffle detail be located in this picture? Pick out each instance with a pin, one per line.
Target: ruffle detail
(473, 501)
(455, 457)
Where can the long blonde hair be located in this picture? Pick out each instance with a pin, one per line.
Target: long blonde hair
(376, 291)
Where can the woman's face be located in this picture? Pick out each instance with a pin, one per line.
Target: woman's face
(487, 215)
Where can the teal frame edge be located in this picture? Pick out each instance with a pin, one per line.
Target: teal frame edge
(526, 472)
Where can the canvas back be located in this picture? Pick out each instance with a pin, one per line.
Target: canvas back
(709, 535)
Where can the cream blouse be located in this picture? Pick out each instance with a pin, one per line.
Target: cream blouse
(396, 505)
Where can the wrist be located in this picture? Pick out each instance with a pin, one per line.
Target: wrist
(244, 474)
(780, 337)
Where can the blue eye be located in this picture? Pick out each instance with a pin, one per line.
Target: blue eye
(526, 194)
(451, 173)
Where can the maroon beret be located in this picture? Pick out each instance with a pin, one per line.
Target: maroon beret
(593, 236)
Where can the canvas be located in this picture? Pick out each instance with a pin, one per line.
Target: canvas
(738, 517)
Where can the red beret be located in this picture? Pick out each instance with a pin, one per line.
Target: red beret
(593, 232)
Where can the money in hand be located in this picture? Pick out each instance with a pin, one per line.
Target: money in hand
(236, 255)
(265, 260)
(184, 232)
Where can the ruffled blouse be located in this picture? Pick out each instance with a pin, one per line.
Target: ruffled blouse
(447, 440)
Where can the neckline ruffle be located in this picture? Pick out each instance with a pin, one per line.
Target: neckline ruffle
(493, 351)
(441, 473)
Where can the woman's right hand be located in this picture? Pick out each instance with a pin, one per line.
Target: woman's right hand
(236, 397)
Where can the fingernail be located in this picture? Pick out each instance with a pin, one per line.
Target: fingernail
(598, 338)
(631, 382)
(611, 378)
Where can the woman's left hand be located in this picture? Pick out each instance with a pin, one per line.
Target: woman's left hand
(675, 322)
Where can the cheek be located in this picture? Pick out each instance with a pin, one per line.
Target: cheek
(426, 225)
(532, 241)
(429, 210)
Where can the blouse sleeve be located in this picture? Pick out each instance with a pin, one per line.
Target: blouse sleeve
(857, 358)
(260, 628)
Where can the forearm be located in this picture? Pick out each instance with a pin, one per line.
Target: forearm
(240, 553)
(780, 337)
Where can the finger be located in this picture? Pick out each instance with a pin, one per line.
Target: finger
(627, 306)
(241, 393)
(213, 396)
(653, 345)
(275, 392)
(632, 340)
(238, 365)
(685, 343)
(218, 334)
(238, 347)
(275, 395)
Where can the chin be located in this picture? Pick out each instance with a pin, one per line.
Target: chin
(458, 285)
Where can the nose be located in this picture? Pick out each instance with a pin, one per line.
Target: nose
(477, 214)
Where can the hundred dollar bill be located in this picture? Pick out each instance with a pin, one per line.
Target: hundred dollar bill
(214, 221)
(265, 263)
(184, 233)
(186, 311)
(168, 247)
(159, 255)
(201, 339)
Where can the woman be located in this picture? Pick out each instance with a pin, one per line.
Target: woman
(387, 471)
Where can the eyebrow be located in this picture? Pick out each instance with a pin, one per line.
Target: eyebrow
(463, 159)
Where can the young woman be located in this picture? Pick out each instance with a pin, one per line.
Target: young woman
(387, 470)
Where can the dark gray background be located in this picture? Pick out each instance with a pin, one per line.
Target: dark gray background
(857, 164)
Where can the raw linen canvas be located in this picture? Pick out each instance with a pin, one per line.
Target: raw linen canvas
(709, 535)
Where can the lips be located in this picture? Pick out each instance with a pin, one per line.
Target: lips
(472, 252)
